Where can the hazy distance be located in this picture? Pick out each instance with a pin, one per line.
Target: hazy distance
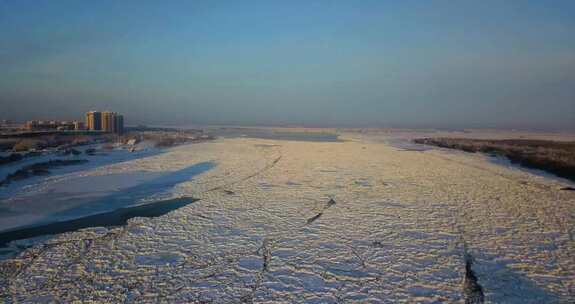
(503, 64)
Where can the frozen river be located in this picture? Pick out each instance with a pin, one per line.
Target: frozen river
(320, 222)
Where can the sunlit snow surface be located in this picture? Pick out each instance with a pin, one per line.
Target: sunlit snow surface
(266, 229)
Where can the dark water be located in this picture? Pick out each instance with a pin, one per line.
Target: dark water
(115, 218)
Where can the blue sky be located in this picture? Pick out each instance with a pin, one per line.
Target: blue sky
(323, 63)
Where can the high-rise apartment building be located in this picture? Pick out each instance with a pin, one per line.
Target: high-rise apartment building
(119, 123)
(106, 121)
(94, 121)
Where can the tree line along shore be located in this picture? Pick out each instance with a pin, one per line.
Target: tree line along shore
(555, 157)
(17, 146)
(20, 147)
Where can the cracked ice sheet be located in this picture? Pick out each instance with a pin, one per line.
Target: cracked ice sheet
(395, 233)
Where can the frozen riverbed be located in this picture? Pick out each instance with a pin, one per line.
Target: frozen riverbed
(324, 222)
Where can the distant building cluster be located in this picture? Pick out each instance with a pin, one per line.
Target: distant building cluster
(106, 121)
(51, 125)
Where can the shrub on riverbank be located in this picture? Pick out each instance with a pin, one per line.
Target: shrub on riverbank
(26, 145)
(39, 169)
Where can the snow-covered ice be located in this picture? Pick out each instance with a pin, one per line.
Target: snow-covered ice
(320, 222)
(91, 185)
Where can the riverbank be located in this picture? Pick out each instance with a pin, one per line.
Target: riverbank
(553, 157)
(39, 169)
(14, 145)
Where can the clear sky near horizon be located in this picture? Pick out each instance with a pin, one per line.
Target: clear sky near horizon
(504, 64)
